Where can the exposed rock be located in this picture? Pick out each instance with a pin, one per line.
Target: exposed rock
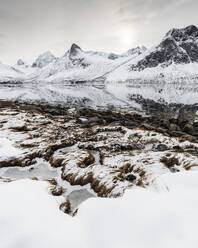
(174, 127)
(74, 50)
(130, 124)
(188, 128)
(192, 151)
(131, 178)
(113, 56)
(162, 147)
(20, 62)
(179, 46)
(178, 134)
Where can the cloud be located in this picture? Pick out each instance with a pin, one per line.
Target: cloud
(141, 11)
(151, 19)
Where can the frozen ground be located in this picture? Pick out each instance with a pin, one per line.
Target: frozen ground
(160, 214)
(142, 218)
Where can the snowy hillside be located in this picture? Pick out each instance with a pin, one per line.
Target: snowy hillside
(9, 73)
(170, 74)
(24, 69)
(78, 65)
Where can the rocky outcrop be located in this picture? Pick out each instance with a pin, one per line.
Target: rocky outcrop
(20, 62)
(74, 50)
(179, 46)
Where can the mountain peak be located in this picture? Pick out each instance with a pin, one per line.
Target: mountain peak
(20, 62)
(47, 53)
(138, 50)
(179, 46)
(44, 59)
(183, 34)
(74, 50)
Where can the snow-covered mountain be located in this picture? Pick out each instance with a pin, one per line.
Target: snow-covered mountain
(44, 59)
(176, 56)
(20, 62)
(79, 65)
(25, 70)
(9, 73)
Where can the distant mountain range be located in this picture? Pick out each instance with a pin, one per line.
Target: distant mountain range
(176, 56)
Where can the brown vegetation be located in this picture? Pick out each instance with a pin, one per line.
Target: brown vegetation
(169, 162)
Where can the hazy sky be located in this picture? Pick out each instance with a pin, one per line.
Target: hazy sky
(30, 27)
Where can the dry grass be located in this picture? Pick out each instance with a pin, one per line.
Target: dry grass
(169, 162)
(100, 189)
(57, 190)
(52, 181)
(34, 178)
(127, 168)
(88, 160)
(6, 180)
(190, 166)
(24, 161)
(56, 161)
(66, 207)
(102, 157)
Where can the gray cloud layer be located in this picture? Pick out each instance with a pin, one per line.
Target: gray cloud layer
(29, 27)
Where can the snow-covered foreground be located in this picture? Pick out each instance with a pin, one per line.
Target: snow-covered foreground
(142, 218)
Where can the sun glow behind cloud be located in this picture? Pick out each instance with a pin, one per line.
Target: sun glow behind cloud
(127, 37)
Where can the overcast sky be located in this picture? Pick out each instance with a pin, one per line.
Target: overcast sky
(30, 27)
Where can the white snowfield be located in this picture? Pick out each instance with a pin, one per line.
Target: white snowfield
(172, 73)
(143, 218)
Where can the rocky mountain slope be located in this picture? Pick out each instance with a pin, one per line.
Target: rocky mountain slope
(179, 46)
